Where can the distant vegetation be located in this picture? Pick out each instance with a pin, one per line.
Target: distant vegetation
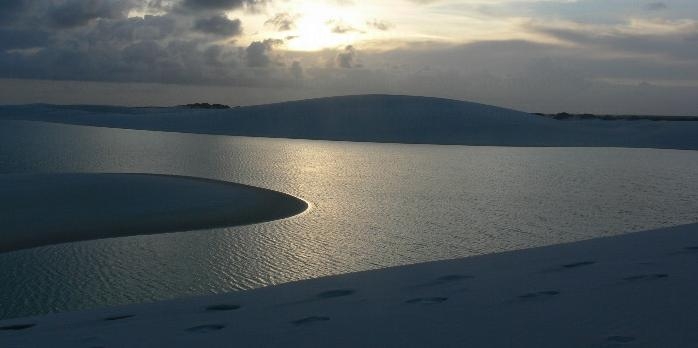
(205, 106)
(568, 116)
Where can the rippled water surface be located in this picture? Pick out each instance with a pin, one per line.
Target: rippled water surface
(373, 206)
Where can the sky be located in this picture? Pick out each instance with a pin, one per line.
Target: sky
(600, 56)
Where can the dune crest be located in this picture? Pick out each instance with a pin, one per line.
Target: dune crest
(378, 118)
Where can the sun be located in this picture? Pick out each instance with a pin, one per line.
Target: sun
(314, 29)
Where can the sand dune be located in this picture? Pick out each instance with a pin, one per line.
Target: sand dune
(41, 209)
(378, 118)
(633, 290)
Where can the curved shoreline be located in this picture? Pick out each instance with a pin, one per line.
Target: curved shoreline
(594, 293)
(45, 209)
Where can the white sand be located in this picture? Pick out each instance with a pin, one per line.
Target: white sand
(41, 209)
(378, 118)
(635, 290)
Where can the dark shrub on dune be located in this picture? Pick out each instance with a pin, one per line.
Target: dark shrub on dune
(205, 106)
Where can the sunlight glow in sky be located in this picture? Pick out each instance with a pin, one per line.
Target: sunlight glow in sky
(543, 55)
(328, 24)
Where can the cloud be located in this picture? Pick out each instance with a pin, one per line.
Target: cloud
(218, 56)
(116, 56)
(203, 5)
(282, 21)
(74, 13)
(600, 46)
(657, 38)
(520, 74)
(146, 52)
(257, 53)
(219, 25)
(347, 58)
(597, 12)
(10, 10)
(380, 25)
(296, 70)
(12, 5)
(118, 33)
(339, 27)
(656, 6)
(22, 39)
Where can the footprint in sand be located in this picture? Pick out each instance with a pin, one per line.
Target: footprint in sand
(539, 295)
(687, 250)
(620, 339)
(119, 317)
(578, 264)
(643, 277)
(427, 300)
(16, 327)
(222, 307)
(205, 328)
(335, 293)
(451, 278)
(568, 266)
(310, 320)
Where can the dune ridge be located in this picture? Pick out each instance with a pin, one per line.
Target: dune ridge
(377, 118)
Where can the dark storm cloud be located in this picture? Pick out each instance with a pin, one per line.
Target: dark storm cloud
(115, 33)
(8, 6)
(519, 74)
(73, 13)
(257, 53)
(93, 40)
(11, 11)
(219, 25)
(22, 38)
(220, 56)
(177, 61)
(202, 5)
(147, 49)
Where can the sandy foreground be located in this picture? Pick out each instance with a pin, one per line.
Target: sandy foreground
(634, 290)
(42, 209)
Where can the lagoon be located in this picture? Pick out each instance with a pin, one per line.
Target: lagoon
(371, 206)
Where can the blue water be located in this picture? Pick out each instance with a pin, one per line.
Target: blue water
(373, 206)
